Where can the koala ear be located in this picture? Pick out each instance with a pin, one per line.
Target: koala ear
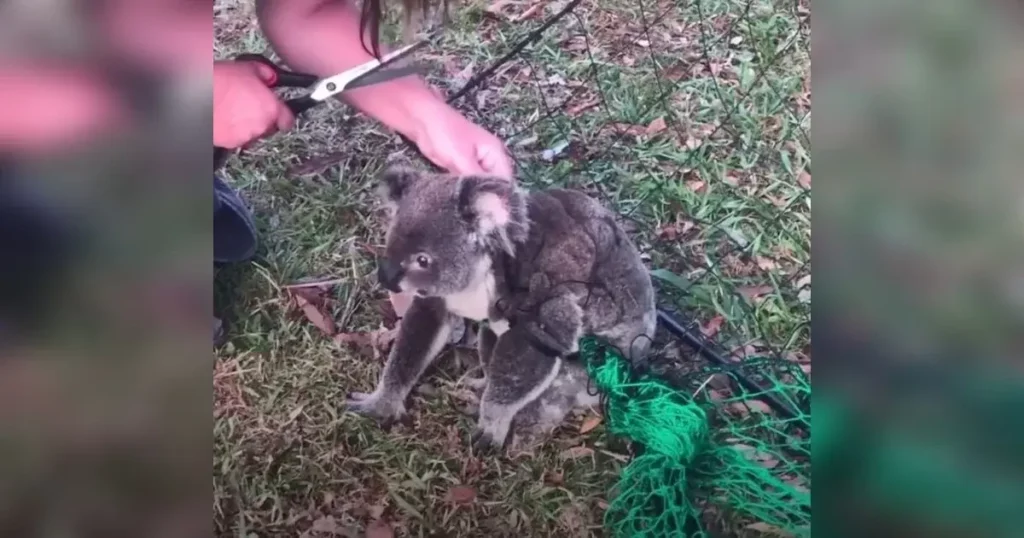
(395, 182)
(487, 201)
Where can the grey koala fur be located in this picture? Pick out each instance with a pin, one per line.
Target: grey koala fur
(542, 268)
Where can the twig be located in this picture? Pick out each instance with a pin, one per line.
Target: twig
(531, 11)
(326, 282)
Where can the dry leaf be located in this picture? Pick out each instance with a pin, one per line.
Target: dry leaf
(748, 406)
(803, 282)
(753, 293)
(742, 352)
(776, 201)
(463, 76)
(804, 179)
(358, 341)
(628, 129)
(576, 452)
(695, 185)
(461, 495)
(570, 519)
(529, 13)
(387, 313)
(765, 528)
(575, 110)
(731, 178)
(379, 529)
(495, 8)
(766, 264)
(656, 126)
(382, 338)
(711, 328)
(325, 524)
(716, 395)
(322, 321)
(313, 294)
(669, 231)
(555, 478)
(590, 423)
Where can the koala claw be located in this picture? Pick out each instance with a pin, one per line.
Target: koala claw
(485, 443)
(383, 409)
(475, 383)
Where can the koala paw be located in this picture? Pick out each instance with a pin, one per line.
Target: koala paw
(475, 383)
(384, 409)
(485, 442)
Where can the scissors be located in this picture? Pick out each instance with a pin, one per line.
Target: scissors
(372, 72)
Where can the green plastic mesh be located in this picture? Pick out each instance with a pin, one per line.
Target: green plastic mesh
(706, 455)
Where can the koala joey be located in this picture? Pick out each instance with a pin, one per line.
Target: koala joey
(541, 268)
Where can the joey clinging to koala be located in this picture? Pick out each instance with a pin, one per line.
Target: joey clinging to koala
(542, 268)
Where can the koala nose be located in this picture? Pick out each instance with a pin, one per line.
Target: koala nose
(390, 274)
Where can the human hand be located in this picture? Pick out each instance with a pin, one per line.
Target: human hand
(244, 106)
(453, 142)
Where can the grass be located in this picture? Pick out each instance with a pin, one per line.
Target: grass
(718, 199)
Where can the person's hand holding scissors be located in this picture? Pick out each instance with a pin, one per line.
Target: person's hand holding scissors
(245, 107)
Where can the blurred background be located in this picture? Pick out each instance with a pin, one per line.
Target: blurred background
(919, 327)
(105, 277)
(105, 242)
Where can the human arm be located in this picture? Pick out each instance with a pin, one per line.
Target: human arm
(323, 37)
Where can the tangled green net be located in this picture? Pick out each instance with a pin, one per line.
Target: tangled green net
(725, 458)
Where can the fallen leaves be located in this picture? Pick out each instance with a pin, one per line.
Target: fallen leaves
(590, 423)
(497, 10)
(326, 524)
(804, 179)
(311, 299)
(804, 287)
(711, 328)
(766, 528)
(628, 129)
(576, 452)
(461, 495)
(750, 406)
(675, 230)
(656, 126)
(555, 478)
(759, 457)
(577, 108)
(766, 264)
(354, 340)
(379, 529)
(377, 342)
(531, 11)
(315, 316)
(693, 181)
(754, 294)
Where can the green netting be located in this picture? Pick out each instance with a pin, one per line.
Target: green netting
(721, 457)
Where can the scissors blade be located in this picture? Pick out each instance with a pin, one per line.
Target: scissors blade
(336, 84)
(376, 77)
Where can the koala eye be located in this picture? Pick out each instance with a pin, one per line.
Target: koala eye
(423, 261)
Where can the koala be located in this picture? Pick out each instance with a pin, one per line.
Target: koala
(540, 269)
